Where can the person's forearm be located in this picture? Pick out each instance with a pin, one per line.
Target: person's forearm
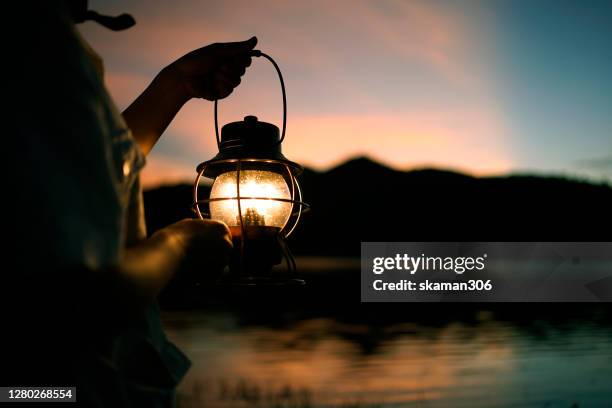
(149, 265)
(151, 113)
(102, 300)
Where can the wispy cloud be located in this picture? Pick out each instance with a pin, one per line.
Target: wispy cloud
(602, 164)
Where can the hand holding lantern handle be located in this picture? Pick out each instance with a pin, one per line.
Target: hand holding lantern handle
(210, 72)
(258, 53)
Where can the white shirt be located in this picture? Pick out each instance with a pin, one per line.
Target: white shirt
(78, 190)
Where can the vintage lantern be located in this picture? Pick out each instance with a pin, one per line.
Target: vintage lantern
(256, 193)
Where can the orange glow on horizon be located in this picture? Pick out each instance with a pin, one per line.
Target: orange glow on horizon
(426, 140)
(367, 91)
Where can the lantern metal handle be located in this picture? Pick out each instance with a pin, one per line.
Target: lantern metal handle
(258, 53)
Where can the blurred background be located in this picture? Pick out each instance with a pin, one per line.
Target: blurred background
(483, 87)
(416, 120)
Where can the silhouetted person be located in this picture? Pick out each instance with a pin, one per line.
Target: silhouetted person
(82, 309)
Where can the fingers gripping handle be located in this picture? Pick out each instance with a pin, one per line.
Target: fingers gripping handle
(258, 53)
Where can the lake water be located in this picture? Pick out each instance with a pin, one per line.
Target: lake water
(479, 357)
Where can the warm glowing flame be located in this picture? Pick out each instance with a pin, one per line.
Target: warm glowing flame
(253, 183)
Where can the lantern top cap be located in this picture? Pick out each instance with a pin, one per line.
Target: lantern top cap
(249, 140)
(249, 133)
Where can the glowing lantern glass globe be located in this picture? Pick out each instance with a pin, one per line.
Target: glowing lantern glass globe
(255, 211)
(255, 188)
(254, 191)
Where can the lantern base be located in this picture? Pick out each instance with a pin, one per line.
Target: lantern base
(256, 252)
(254, 256)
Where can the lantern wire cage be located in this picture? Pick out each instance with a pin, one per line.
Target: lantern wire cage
(298, 207)
(288, 169)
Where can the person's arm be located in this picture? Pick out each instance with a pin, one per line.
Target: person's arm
(190, 246)
(87, 302)
(211, 72)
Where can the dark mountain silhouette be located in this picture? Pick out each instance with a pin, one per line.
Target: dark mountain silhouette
(362, 200)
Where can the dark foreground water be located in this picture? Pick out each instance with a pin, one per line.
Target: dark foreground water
(479, 356)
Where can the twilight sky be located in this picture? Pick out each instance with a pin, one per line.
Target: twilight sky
(484, 87)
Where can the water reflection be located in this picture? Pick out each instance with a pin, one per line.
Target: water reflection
(322, 361)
